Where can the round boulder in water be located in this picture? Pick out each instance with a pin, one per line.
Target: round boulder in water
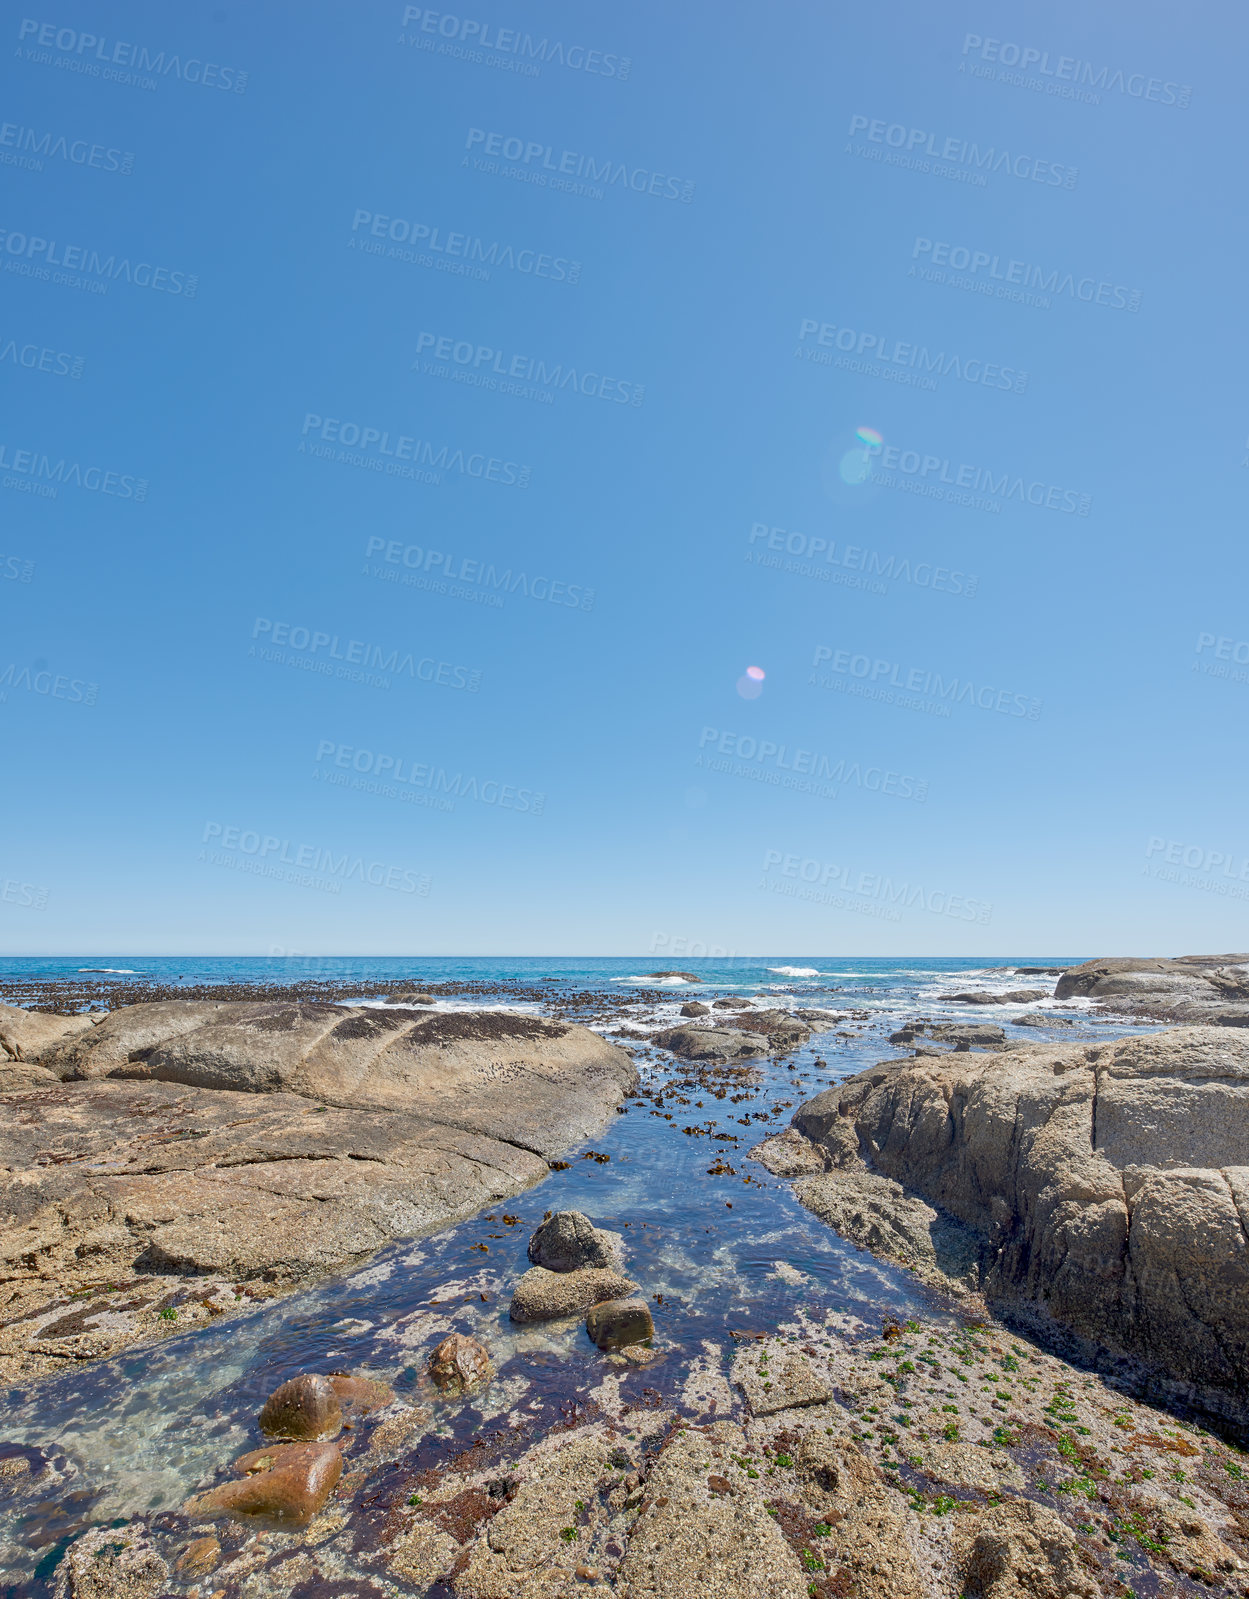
(304, 1407)
(459, 1363)
(569, 1241)
(616, 1322)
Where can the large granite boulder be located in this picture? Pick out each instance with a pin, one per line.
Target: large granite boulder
(268, 1143)
(1108, 1186)
(1199, 988)
(25, 1035)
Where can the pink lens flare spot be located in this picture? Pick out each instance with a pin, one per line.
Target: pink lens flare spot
(755, 672)
(870, 437)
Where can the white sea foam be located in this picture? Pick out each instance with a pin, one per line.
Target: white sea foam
(794, 971)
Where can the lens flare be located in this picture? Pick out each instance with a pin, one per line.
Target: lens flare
(756, 672)
(870, 437)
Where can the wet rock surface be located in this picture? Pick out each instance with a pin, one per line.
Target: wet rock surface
(255, 1146)
(459, 1363)
(615, 1323)
(711, 1043)
(542, 1295)
(284, 1483)
(303, 1408)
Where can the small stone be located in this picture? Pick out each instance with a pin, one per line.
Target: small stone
(288, 1483)
(542, 1295)
(569, 1241)
(304, 1407)
(587, 1573)
(198, 1558)
(458, 1363)
(617, 1322)
(719, 1484)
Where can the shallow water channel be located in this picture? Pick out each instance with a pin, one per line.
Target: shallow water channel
(717, 1245)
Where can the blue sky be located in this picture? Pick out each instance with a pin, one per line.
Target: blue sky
(513, 414)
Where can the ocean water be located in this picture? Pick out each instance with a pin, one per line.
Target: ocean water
(718, 1246)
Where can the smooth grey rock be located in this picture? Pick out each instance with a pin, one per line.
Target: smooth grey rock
(695, 1007)
(711, 1043)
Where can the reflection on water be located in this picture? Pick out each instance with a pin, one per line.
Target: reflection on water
(714, 1254)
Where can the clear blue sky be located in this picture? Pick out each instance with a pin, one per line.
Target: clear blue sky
(771, 191)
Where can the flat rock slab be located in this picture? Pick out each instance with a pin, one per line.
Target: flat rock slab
(542, 1295)
(775, 1377)
(712, 1043)
(266, 1144)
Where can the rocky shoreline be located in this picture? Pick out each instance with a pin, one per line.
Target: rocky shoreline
(169, 1163)
(1031, 1435)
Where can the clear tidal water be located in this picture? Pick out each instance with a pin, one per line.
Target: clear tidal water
(715, 1253)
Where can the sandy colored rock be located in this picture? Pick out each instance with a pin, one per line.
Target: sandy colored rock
(1108, 1186)
(542, 1295)
(869, 1527)
(695, 1007)
(459, 1363)
(692, 1539)
(287, 1483)
(25, 1035)
(303, 1408)
(524, 1553)
(108, 1563)
(568, 1241)
(964, 1465)
(269, 1144)
(1020, 1550)
(1191, 988)
(711, 1043)
(789, 1154)
(773, 1376)
(879, 1214)
(423, 1553)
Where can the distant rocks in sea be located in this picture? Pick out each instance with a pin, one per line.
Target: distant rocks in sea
(1211, 989)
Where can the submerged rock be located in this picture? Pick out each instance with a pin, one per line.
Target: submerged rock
(459, 1363)
(305, 1407)
(614, 1323)
(569, 1240)
(357, 1396)
(287, 1483)
(109, 1563)
(542, 1295)
(200, 1556)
